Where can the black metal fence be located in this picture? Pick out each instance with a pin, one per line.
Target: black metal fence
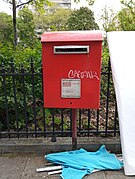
(22, 114)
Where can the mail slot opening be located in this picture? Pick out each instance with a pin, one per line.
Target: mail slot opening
(71, 49)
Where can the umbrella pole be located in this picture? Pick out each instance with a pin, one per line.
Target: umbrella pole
(74, 129)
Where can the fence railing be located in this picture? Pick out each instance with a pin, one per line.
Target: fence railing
(22, 114)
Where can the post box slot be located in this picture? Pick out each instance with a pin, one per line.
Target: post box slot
(71, 49)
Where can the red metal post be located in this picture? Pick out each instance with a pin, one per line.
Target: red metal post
(74, 129)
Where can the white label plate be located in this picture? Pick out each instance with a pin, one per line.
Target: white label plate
(70, 88)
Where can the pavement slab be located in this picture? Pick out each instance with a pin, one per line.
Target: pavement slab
(18, 166)
(12, 167)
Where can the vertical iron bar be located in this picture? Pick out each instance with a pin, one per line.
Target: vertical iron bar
(53, 129)
(44, 122)
(62, 121)
(89, 116)
(80, 112)
(108, 95)
(1, 80)
(15, 98)
(115, 119)
(53, 120)
(74, 129)
(97, 129)
(6, 100)
(34, 99)
(24, 100)
(70, 122)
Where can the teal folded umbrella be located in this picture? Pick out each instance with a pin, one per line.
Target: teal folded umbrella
(79, 163)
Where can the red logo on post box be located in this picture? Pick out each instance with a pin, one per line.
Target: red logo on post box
(71, 69)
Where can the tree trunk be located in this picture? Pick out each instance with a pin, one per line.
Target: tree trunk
(14, 23)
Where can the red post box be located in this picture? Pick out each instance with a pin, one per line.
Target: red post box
(71, 69)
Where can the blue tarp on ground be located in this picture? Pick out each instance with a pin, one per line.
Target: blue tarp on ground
(79, 163)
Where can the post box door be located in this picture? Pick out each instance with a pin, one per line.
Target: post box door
(71, 70)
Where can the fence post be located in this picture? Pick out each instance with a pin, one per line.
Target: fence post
(74, 129)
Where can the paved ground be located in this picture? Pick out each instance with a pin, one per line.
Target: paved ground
(15, 166)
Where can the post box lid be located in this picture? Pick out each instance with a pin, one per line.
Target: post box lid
(66, 36)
